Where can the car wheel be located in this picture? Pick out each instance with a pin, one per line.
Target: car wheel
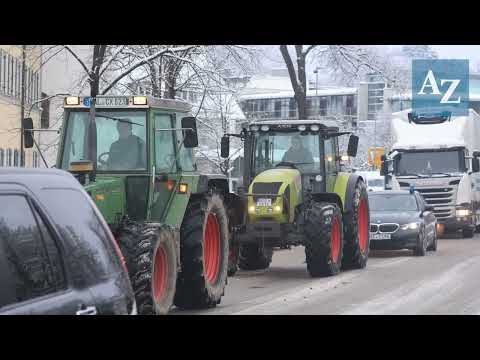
(422, 244)
(433, 245)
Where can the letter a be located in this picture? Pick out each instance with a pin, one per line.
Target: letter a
(433, 84)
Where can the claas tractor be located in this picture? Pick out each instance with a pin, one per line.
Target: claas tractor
(134, 157)
(295, 193)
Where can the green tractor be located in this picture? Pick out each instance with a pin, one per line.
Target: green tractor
(296, 194)
(172, 224)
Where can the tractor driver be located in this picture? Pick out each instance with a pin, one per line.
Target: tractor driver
(297, 154)
(129, 151)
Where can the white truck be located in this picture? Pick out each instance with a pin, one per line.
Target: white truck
(437, 154)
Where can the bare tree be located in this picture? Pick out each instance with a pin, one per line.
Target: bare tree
(348, 61)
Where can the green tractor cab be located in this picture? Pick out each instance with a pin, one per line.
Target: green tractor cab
(134, 156)
(296, 194)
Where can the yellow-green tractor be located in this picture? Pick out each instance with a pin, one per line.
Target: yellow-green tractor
(296, 194)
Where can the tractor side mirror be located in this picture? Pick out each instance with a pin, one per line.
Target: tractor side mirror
(475, 165)
(225, 147)
(27, 133)
(190, 136)
(352, 146)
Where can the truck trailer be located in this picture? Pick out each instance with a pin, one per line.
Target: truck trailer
(437, 154)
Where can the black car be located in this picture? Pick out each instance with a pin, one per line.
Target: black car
(57, 254)
(401, 220)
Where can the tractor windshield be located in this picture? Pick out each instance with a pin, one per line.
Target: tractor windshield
(272, 148)
(121, 139)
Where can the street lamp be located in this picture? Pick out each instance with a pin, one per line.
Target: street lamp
(316, 80)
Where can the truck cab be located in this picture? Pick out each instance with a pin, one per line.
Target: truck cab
(438, 156)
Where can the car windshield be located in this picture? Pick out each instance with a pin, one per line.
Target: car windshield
(272, 148)
(121, 139)
(429, 162)
(392, 202)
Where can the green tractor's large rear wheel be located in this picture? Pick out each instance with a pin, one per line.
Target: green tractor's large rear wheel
(323, 239)
(204, 239)
(149, 251)
(356, 227)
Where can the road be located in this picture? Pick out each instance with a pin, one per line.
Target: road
(394, 282)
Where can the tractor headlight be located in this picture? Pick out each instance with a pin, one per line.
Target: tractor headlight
(462, 212)
(302, 127)
(315, 128)
(410, 226)
(251, 209)
(277, 209)
(254, 128)
(265, 128)
(72, 100)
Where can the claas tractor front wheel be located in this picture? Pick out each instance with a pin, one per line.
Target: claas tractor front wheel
(356, 225)
(204, 246)
(323, 238)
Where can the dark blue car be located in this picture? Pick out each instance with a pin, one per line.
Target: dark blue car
(57, 254)
(401, 220)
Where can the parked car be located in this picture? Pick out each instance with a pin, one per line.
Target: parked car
(57, 254)
(401, 220)
(373, 179)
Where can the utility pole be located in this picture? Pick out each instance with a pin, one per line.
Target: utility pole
(22, 107)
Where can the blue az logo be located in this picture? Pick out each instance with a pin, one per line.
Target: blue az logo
(441, 85)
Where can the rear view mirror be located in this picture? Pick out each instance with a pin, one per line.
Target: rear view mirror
(190, 136)
(352, 146)
(225, 147)
(27, 133)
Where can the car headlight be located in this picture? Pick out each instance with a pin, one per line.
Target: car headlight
(410, 226)
(462, 212)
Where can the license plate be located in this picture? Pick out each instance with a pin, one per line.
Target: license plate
(380, 236)
(112, 101)
(264, 202)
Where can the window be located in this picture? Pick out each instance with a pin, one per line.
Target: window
(330, 156)
(45, 117)
(34, 159)
(121, 139)
(15, 158)
(323, 106)
(7, 75)
(185, 156)
(164, 144)
(1, 69)
(9, 157)
(88, 246)
(12, 76)
(272, 148)
(30, 263)
(4, 72)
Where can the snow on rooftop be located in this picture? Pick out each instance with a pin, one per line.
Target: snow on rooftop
(289, 94)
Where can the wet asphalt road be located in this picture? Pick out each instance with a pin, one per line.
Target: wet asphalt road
(394, 282)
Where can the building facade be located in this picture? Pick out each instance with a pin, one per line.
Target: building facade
(11, 60)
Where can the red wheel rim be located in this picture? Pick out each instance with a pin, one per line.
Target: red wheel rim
(335, 240)
(211, 248)
(363, 225)
(160, 272)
